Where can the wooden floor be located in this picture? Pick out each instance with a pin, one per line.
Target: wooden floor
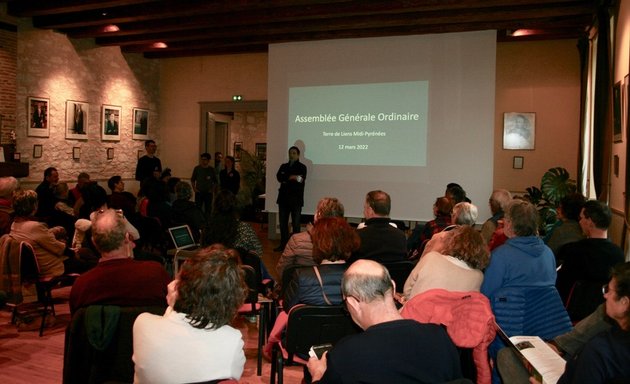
(27, 358)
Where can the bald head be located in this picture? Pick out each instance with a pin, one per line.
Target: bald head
(367, 280)
(108, 231)
(7, 186)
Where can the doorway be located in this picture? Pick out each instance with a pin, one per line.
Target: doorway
(216, 134)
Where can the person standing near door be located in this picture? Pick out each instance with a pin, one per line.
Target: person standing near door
(204, 182)
(291, 177)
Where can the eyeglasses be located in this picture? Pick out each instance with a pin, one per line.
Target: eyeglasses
(606, 289)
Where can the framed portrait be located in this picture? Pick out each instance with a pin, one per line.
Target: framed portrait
(140, 124)
(76, 120)
(110, 153)
(617, 113)
(111, 119)
(261, 151)
(38, 117)
(519, 130)
(238, 145)
(37, 151)
(76, 153)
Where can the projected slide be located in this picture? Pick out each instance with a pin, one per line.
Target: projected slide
(361, 124)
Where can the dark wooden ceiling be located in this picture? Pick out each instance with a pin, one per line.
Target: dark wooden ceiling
(204, 27)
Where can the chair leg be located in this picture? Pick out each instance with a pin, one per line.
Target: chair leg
(280, 368)
(47, 302)
(274, 356)
(261, 337)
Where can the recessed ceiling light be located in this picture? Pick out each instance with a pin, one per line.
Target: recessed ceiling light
(159, 44)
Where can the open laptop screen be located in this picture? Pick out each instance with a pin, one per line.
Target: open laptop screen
(182, 237)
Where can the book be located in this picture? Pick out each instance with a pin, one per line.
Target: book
(542, 362)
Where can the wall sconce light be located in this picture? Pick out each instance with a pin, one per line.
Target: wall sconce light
(237, 98)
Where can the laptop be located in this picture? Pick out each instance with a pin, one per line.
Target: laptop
(182, 237)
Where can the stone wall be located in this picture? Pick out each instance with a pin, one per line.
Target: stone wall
(8, 81)
(52, 66)
(249, 128)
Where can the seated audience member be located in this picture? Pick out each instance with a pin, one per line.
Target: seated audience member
(158, 205)
(458, 268)
(121, 199)
(63, 204)
(589, 259)
(498, 201)
(46, 193)
(334, 240)
(193, 342)
(568, 346)
(381, 240)
(229, 177)
(567, 229)
(7, 186)
(299, 250)
(442, 211)
(53, 256)
(605, 358)
(462, 214)
(118, 279)
(170, 186)
(75, 193)
(456, 194)
(391, 349)
(524, 260)
(185, 211)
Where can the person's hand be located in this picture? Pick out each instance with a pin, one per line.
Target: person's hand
(555, 349)
(317, 367)
(532, 380)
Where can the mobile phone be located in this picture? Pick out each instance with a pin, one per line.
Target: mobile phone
(318, 350)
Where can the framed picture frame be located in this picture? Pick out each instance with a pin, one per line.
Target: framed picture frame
(38, 117)
(37, 151)
(617, 132)
(110, 123)
(17, 156)
(77, 113)
(76, 153)
(238, 146)
(517, 162)
(261, 151)
(110, 153)
(140, 124)
(519, 130)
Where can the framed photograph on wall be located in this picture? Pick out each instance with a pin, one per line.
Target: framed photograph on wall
(261, 151)
(617, 113)
(38, 117)
(37, 151)
(110, 127)
(110, 153)
(140, 124)
(76, 153)
(517, 162)
(238, 145)
(76, 120)
(519, 130)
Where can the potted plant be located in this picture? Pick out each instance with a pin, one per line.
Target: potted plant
(555, 185)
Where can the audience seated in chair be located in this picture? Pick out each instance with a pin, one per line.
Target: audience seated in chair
(458, 268)
(299, 250)
(7, 186)
(46, 194)
(391, 349)
(53, 256)
(592, 258)
(497, 202)
(334, 240)
(197, 320)
(118, 279)
(381, 240)
(121, 199)
(421, 235)
(185, 211)
(462, 214)
(567, 229)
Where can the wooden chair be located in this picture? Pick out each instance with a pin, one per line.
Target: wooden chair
(309, 325)
(254, 308)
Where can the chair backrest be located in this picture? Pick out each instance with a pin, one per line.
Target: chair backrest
(310, 325)
(29, 267)
(252, 285)
(531, 311)
(584, 298)
(399, 272)
(85, 364)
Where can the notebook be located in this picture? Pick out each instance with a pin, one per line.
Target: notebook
(182, 237)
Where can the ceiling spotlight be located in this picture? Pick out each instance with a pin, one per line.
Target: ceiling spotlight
(237, 98)
(159, 44)
(111, 28)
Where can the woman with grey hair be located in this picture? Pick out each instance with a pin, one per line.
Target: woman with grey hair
(463, 214)
(185, 211)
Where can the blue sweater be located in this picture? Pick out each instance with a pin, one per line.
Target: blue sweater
(520, 262)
